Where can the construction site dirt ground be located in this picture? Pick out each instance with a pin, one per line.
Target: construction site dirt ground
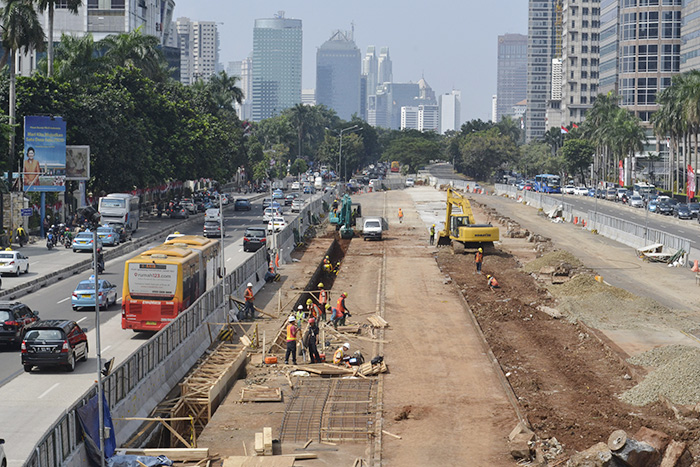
(442, 394)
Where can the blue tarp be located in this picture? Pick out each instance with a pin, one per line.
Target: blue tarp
(90, 422)
(131, 461)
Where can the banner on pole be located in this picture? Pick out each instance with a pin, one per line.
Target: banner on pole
(622, 174)
(691, 182)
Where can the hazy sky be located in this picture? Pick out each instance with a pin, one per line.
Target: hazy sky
(453, 43)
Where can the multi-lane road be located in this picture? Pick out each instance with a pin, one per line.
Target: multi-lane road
(33, 401)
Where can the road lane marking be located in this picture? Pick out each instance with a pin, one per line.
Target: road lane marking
(81, 319)
(65, 299)
(105, 349)
(228, 259)
(240, 250)
(48, 390)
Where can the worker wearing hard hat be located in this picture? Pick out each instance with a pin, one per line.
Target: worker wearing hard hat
(322, 296)
(478, 260)
(492, 282)
(340, 355)
(300, 315)
(327, 265)
(292, 332)
(314, 311)
(310, 340)
(341, 311)
(432, 234)
(249, 311)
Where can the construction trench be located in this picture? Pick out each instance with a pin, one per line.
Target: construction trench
(561, 378)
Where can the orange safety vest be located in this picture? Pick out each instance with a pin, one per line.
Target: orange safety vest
(400, 213)
(249, 297)
(315, 310)
(493, 282)
(479, 257)
(291, 332)
(323, 297)
(338, 355)
(339, 306)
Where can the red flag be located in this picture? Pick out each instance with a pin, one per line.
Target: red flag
(574, 125)
(622, 178)
(691, 182)
(563, 129)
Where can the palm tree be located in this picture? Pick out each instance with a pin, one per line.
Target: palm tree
(135, 49)
(76, 59)
(225, 90)
(21, 30)
(70, 5)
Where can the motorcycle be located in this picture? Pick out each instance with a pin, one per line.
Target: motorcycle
(67, 241)
(49, 241)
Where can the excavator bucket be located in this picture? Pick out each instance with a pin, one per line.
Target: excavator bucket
(443, 239)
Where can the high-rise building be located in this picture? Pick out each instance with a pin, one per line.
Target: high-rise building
(308, 97)
(609, 40)
(409, 118)
(494, 107)
(580, 59)
(511, 83)
(369, 69)
(649, 47)
(690, 36)
(384, 71)
(428, 117)
(338, 70)
(450, 111)
(102, 18)
(199, 49)
(277, 52)
(542, 44)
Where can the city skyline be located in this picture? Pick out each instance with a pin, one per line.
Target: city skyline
(444, 45)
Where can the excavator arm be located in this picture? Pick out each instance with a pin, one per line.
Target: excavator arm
(460, 229)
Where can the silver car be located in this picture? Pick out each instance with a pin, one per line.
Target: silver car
(636, 201)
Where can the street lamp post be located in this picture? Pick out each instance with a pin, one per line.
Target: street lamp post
(340, 149)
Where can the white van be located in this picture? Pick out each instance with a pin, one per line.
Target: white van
(318, 183)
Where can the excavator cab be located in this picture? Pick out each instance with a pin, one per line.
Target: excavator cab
(456, 222)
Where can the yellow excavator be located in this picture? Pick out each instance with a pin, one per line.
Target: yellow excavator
(460, 230)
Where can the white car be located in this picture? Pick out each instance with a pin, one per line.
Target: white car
(581, 191)
(269, 213)
(276, 224)
(212, 214)
(636, 201)
(296, 186)
(297, 205)
(13, 262)
(410, 182)
(569, 190)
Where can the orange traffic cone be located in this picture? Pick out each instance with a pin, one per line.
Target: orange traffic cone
(277, 260)
(695, 267)
(575, 220)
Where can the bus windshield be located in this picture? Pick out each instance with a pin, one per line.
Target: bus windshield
(112, 203)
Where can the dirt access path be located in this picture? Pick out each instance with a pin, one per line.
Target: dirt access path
(442, 395)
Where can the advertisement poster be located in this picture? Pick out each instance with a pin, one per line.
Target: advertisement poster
(77, 162)
(44, 164)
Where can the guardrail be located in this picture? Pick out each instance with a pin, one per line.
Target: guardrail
(623, 231)
(169, 354)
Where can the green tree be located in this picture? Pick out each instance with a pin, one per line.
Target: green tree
(70, 5)
(135, 49)
(21, 30)
(483, 152)
(412, 148)
(299, 166)
(76, 59)
(577, 155)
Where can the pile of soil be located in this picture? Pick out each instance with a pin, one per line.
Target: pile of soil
(566, 379)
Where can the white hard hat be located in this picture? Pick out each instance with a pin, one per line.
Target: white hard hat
(249, 285)
(346, 345)
(300, 307)
(292, 318)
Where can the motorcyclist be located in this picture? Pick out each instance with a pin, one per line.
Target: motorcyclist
(21, 236)
(100, 261)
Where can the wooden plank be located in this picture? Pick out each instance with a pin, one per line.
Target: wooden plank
(267, 440)
(325, 369)
(261, 395)
(301, 455)
(271, 461)
(174, 454)
(349, 329)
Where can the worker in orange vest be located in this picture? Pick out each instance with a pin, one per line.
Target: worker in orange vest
(478, 260)
(340, 312)
(400, 216)
(322, 296)
(249, 310)
(492, 282)
(313, 309)
(292, 332)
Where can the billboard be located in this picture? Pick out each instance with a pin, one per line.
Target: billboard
(77, 162)
(44, 167)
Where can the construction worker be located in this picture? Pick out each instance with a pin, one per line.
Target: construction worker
(340, 312)
(479, 259)
(324, 312)
(327, 266)
(340, 355)
(313, 309)
(249, 310)
(492, 282)
(400, 216)
(300, 315)
(322, 296)
(292, 332)
(432, 234)
(311, 341)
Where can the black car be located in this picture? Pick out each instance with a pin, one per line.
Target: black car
(54, 342)
(664, 208)
(266, 203)
(14, 319)
(289, 199)
(694, 209)
(212, 229)
(179, 212)
(242, 204)
(682, 211)
(254, 238)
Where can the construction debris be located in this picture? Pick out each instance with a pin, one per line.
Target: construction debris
(261, 394)
(272, 461)
(377, 321)
(174, 454)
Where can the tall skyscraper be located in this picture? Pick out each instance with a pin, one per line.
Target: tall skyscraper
(409, 118)
(690, 36)
(580, 59)
(384, 71)
(338, 70)
(511, 84)
(450, 111)
(542, 42)
(243, 70)
(369, 69)
(609, 30)
(199, 49)
(277, 52)
(428, 117)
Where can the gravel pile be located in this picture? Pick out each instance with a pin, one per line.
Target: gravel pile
(554, 258)
(677, 376)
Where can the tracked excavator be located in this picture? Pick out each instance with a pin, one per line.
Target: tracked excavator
(460, 230)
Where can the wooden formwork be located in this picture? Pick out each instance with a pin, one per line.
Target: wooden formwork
(205, 388)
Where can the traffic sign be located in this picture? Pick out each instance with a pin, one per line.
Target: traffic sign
(26, 212)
